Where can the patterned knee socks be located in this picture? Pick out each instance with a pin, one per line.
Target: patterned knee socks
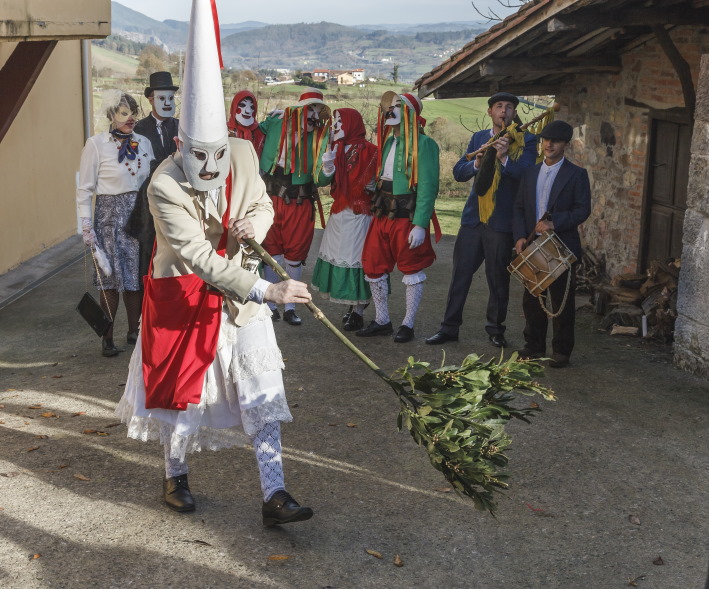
(267, 444)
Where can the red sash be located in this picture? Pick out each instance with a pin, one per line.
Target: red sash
(179, 333)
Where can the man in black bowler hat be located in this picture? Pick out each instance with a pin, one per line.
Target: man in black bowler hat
(485, 232)
(553, 195)
(160, 127)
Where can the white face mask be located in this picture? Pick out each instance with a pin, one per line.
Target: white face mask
(206, 165)
(337, 131)
(121, 115)
(393, 113)
(244, 114)
(164, 103)
(313, 117)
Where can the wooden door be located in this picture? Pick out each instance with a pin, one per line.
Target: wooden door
(666, 193)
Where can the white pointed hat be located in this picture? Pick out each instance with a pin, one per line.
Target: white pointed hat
(202, 117)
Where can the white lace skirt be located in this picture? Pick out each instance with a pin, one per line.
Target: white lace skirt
(243, 390)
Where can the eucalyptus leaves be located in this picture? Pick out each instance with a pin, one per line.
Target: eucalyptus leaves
(458, 413)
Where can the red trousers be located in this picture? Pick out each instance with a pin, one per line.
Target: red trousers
(292, 231)
(387, 246)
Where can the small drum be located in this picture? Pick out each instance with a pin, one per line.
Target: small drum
(542, 262)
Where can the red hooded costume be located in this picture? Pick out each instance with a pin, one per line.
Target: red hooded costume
(251, 133)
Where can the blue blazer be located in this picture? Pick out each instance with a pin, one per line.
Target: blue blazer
(569, 204)
(464, 170)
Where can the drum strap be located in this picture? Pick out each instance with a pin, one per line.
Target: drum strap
(546, 304)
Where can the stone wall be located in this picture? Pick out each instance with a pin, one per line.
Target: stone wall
(611, 139)
(692, 326)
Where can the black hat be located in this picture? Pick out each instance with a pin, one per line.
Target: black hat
(503, 97)
(160, 81)
(558, 131)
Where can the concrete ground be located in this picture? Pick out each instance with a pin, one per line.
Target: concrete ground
(609, 485)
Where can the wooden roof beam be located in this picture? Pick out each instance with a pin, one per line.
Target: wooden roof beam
(547, 65)
(484, 90)
(587, 20)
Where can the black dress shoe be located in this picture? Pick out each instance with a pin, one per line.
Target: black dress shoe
(283, 509)
(498, 340)
(108, 348)
(354, 322)
(441, 337)
(132, 338)
(346, 316)
(275, 315)
(375, 329)
(291, 318)
(176, 492)
(404, 334)
(527, 354)
(558, 361)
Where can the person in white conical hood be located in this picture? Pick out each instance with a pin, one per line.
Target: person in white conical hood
(207, 365)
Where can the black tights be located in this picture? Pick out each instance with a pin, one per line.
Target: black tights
(133, 301)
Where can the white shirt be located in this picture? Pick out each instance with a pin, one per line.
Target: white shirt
(388, 169)
(100, 172)
(545, 180)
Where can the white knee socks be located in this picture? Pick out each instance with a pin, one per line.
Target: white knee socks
(174, 467)
(414, 294)
(267, 444)
(380, 296)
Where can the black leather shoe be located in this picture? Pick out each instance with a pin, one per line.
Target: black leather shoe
(283, 509)
(558, 361)
(108, 348)
(132, 338)
(291, 318)
(404, 334)
(176, 492)
(375, 329)
(275, 315)
(354, 322)
(346, 316)
(527, 354)
(441, 338)
(498, 340)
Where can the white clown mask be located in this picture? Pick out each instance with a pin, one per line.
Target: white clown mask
(393, 113)
(206, 165)
(337, 131)
(244, 114)
(163, 102)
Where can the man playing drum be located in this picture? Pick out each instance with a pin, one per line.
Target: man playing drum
(553, 195)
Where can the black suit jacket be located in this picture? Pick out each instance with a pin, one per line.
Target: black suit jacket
(148, 128)
(569, 204)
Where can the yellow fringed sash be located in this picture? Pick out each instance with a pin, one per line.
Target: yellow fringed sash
(486, 202)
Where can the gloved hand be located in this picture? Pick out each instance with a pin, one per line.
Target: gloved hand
(276, 112)
(416, 237)
(87, 231)
(328, 161)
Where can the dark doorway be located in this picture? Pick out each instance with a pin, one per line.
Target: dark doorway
(666, 188)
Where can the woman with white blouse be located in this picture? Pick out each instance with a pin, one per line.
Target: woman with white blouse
(113, 166)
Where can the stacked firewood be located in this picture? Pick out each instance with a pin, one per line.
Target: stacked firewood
(641, 304)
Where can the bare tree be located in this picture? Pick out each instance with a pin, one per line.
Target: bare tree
(491, 15)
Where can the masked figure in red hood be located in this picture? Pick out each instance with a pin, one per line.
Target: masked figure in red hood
(338, 271)
(242, 120)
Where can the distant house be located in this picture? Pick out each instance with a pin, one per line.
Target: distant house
(358, 75)
(320, 75)
(346, 79)
(45, 69)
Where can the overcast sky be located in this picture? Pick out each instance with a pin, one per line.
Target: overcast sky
(355, 12)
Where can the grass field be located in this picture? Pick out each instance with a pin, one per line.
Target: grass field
(121, 64)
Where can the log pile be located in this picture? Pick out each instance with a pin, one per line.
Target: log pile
(640, 304)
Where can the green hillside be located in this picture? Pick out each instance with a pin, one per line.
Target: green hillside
(120, 64)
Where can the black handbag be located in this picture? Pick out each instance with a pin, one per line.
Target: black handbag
(94, 315)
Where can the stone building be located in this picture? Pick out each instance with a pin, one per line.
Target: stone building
(625, 73)
(45, 116)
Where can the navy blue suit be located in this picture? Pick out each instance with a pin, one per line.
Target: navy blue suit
(569, 206)
(490, 242)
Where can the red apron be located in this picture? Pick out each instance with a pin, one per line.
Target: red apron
(179, 333)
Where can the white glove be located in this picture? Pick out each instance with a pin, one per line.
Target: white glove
(276, 112)
(328, 161)
(416, 237)
(87, 231)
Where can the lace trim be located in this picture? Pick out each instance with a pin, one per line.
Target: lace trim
(256, 418)
(340, 263)
(255, 362)
(412, 279)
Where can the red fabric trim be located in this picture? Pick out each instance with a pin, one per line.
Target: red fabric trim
(217, 33)
(308, 95)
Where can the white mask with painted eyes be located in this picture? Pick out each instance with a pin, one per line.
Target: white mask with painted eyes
(244, 114)
(206, 165)
(337, 131)
(164, 103)
(393, 113)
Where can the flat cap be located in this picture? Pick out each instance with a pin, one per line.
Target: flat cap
(503, 97)
(558, 131)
